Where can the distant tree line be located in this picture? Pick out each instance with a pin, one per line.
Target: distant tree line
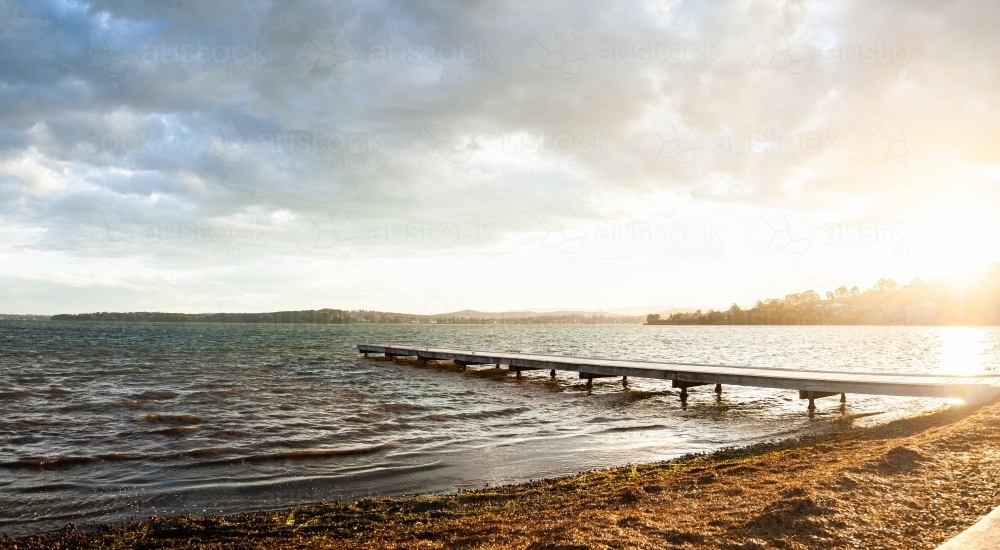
(943, 302)
(971, 301)
(18, 317)
(340, 316)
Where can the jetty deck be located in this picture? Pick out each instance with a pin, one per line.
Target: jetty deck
(811, 384)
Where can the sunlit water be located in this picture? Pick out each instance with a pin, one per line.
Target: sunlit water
(102, 422)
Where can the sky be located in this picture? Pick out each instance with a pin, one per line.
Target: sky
(429, 157)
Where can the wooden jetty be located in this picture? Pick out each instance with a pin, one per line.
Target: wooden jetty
(811, 384)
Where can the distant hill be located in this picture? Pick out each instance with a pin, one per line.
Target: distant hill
(973, 300)
(340, 316)
(16, 317)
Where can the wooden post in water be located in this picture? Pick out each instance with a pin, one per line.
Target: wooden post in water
(974, 389)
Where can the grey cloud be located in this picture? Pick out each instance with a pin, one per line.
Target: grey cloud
(257, 113)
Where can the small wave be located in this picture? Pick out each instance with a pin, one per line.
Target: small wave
(14, 394)
(56, 390)
(156, 395)
(60, 461)
(402, 407)
(644, 394)
(365, 417)
(621, 429)
(177, 430)
(208, 451)
(174, 418)
(301, 455)
(477, 415)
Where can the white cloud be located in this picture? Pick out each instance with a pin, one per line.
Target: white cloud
(524, 118)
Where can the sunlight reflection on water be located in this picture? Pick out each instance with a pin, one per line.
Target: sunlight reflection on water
(965, 350)
(106, 421)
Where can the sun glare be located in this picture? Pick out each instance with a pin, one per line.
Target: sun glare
(964, 351)
(961, 238)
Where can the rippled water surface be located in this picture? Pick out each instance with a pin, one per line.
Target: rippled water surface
(102, 422)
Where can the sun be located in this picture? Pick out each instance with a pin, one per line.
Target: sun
(957, 242)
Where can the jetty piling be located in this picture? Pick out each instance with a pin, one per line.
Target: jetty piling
(811, 384)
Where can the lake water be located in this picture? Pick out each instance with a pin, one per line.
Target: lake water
(103, 422)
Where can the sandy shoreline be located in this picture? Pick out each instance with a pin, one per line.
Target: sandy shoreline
(909, 484)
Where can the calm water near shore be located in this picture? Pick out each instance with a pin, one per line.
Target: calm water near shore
(102, 422)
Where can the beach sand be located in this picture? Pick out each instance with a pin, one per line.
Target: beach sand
(910, 484)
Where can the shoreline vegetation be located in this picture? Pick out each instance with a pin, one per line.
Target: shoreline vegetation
(909, 484)
(974, 301)
(343, 317)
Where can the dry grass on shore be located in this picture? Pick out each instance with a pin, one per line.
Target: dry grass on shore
(908, 485)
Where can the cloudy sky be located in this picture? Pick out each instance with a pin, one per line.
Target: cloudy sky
(434, 156)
